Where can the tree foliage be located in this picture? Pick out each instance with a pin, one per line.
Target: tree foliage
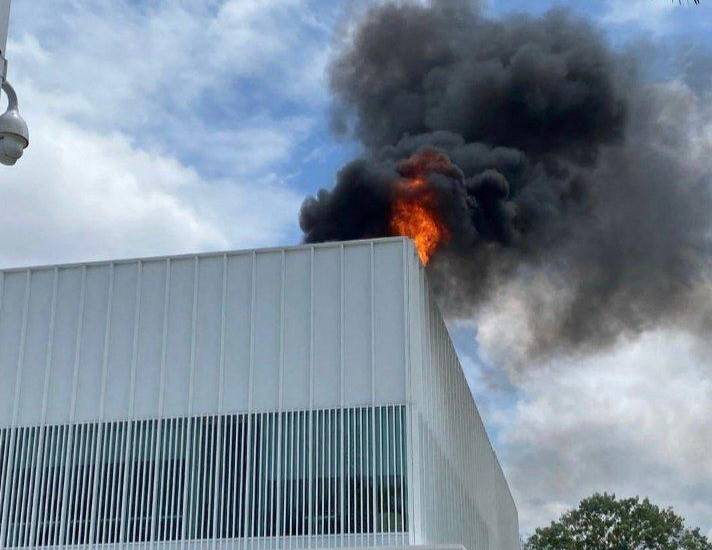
(602, 522)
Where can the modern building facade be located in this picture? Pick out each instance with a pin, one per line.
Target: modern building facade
(283, 398)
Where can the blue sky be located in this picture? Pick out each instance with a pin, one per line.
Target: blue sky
(163, 127)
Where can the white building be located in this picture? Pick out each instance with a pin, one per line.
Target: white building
(282, 398)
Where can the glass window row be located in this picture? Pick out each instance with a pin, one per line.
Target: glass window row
(273, 474)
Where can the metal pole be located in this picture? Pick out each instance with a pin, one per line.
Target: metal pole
(4, 23)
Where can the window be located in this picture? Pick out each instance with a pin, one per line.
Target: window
(294, 473)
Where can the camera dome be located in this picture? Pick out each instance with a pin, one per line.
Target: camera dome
(14, 135)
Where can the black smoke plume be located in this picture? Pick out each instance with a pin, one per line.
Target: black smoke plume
(575, 196)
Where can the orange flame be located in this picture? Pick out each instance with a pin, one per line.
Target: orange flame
(414, 215)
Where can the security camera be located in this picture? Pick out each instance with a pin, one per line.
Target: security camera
(14, 135)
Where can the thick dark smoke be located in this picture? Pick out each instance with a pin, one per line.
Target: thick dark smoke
(572, 187)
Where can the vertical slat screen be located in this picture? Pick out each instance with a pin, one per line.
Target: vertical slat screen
(332, 474)
(463, 495)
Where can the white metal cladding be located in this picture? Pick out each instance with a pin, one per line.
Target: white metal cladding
(254, 330)
(166, 342)
(458, 490)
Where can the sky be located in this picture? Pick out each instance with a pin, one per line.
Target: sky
(161, 127)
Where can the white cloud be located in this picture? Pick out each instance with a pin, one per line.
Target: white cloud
(634, 421)
(165, 59)
(651, 15)
(258, 146)
(227, 88)
(138, 143)
(80, 194)
(157, 127)
(282, 42)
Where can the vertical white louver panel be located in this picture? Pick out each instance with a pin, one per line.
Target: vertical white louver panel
(343, 415)
(16, 458)
(239, 459)
(49, 521)
(126, 492)
(4, 475)
(347, 475)
(133, 482)
(271, 455)
(40, 508)
(129, 451)
(40, 483)
(461, 493)
(69, 505)
(112, 486)
(26, 485)
(174, 480)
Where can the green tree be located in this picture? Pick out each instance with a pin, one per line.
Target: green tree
(602, 522)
